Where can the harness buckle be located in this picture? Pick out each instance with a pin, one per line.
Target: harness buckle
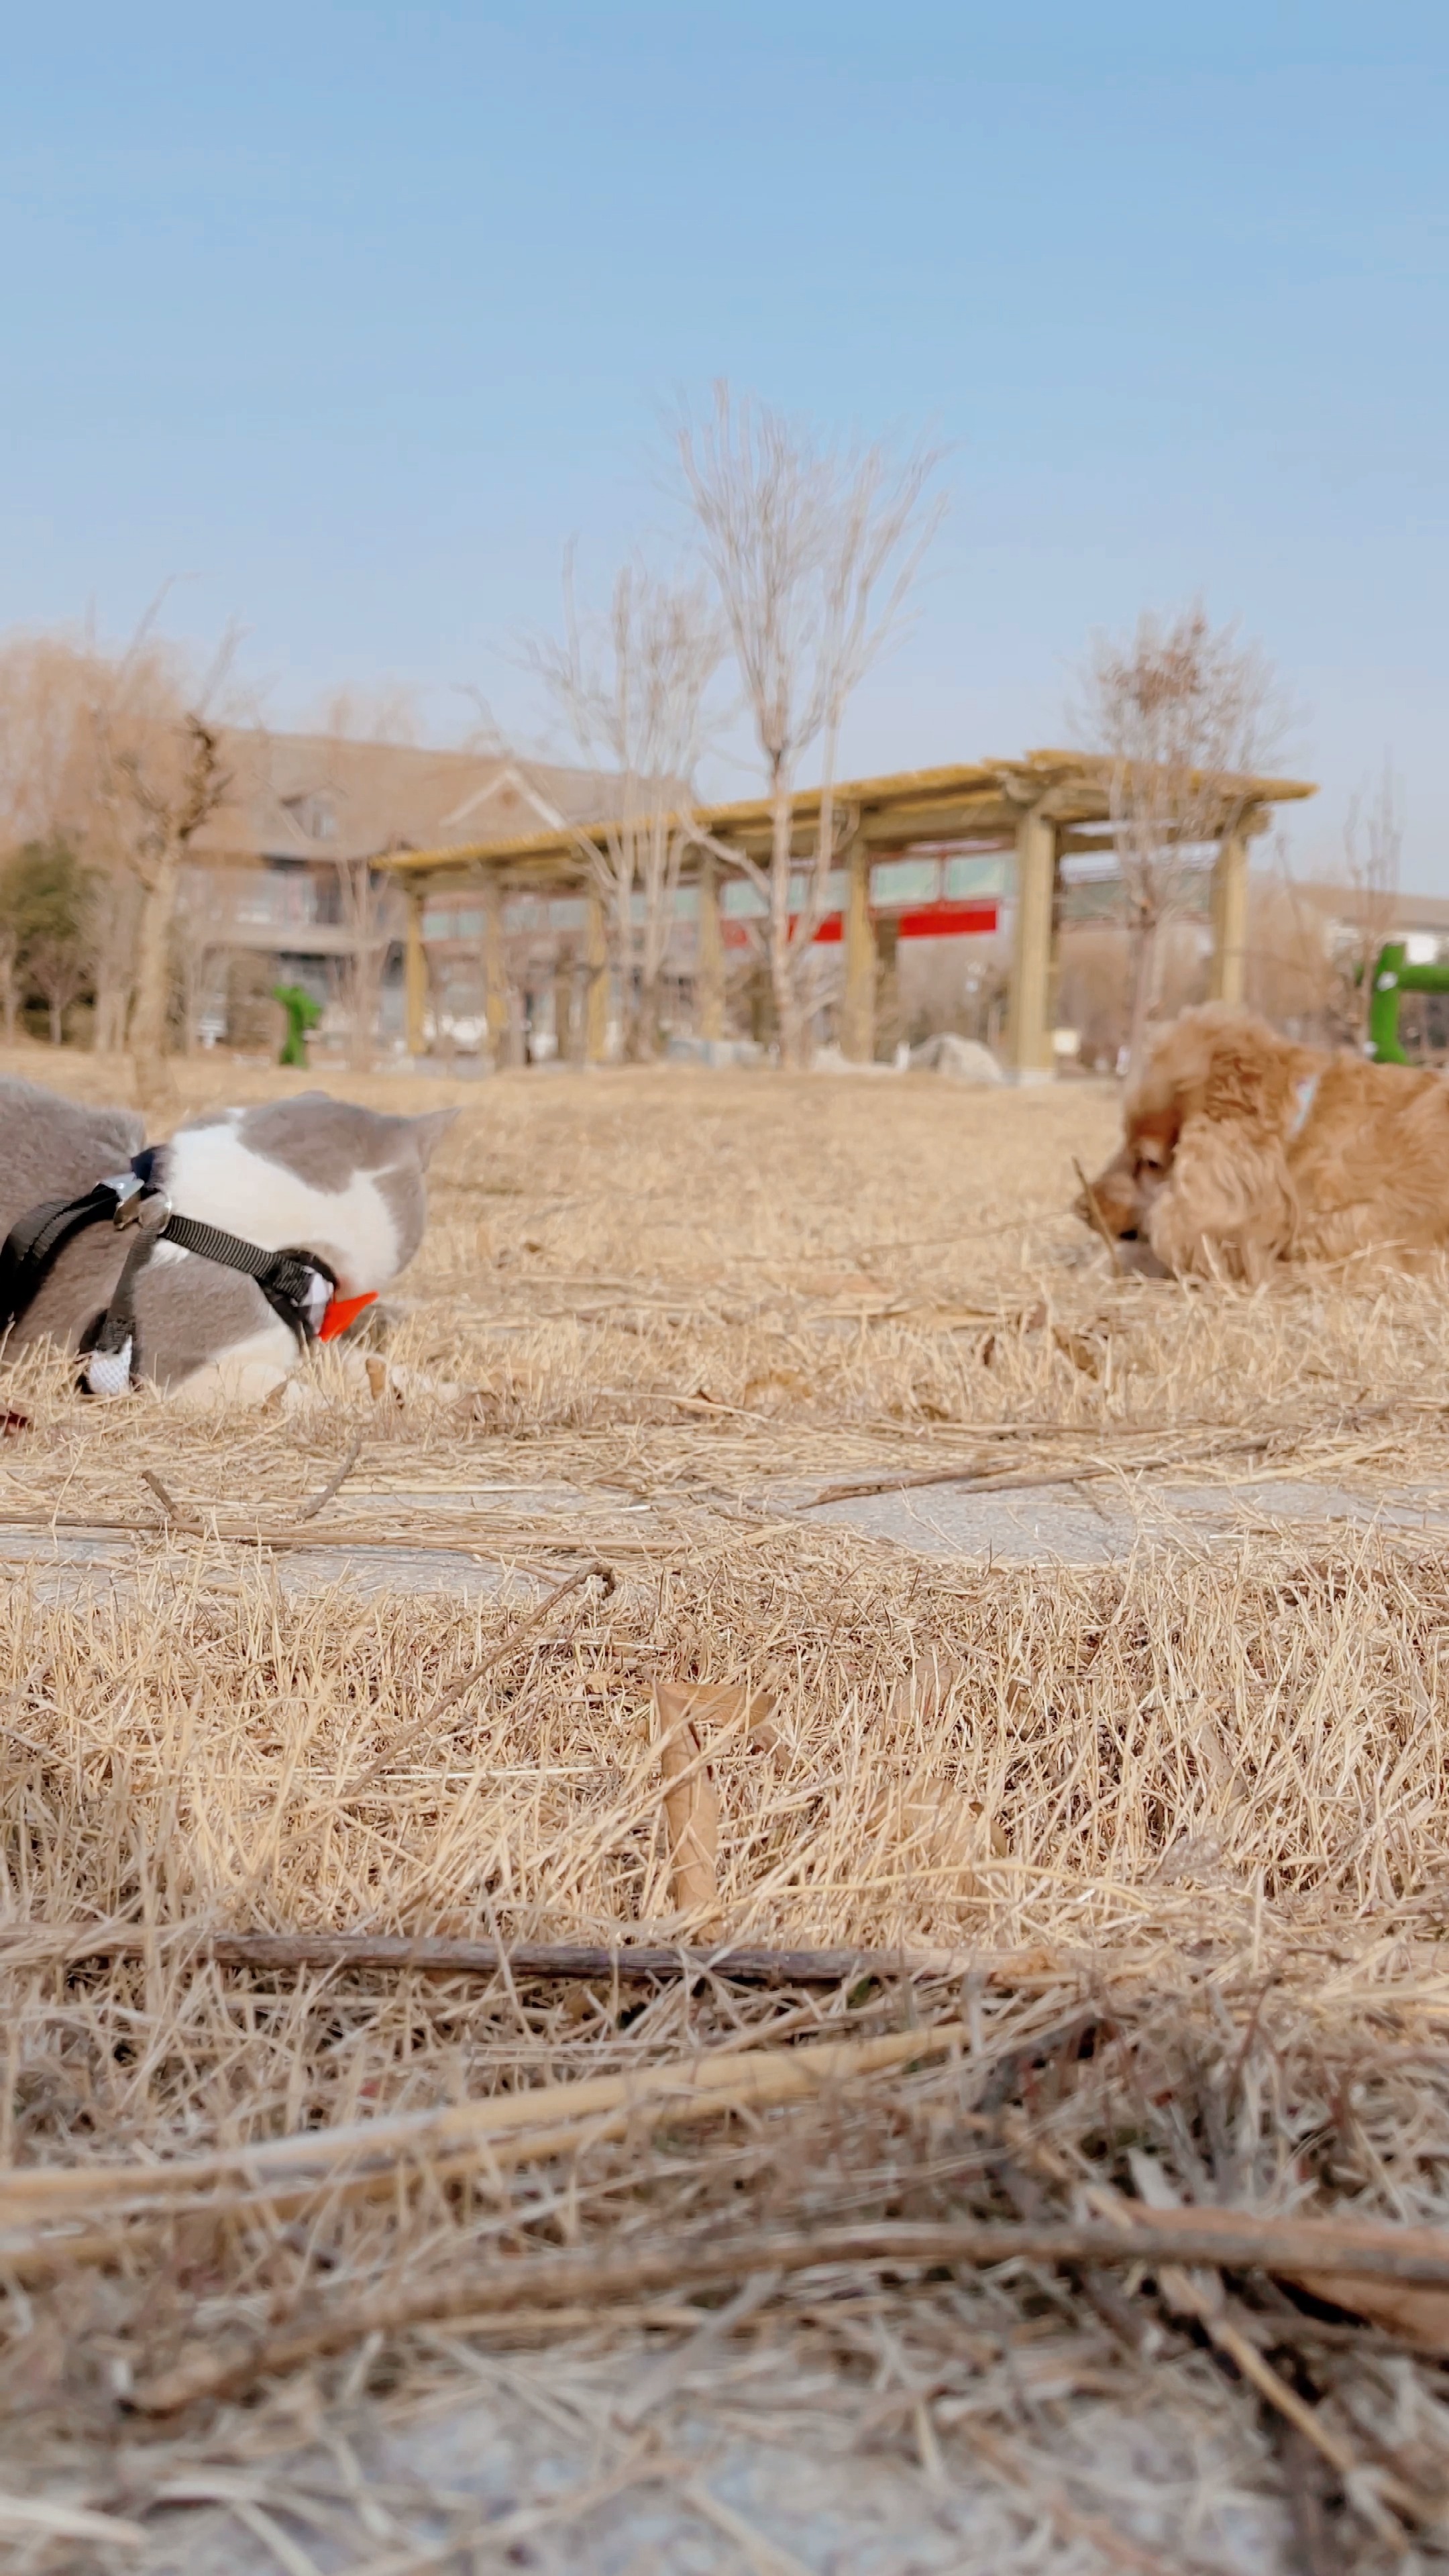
(138, 1202)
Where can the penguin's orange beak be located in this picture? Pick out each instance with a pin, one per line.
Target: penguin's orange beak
(341, 1312)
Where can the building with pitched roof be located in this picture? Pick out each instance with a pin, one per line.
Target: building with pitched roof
(285, 881)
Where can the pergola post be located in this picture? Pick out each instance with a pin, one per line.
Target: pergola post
(415, 976)
(709, 979)
(596, 967)
(1028, 1019)
(566, 1012)
(857, 1017)
(495, 972)
(1227, 975)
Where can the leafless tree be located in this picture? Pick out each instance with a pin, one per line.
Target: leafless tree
(10, 996)
(112, 918)
(201, 933)
(48, 767)
(367, 899)
(167, 790)
(57, 965)
(1373, 843)
(161, 778)
(813, 551)
(1186, 712)
(632, 691)
(61, 713)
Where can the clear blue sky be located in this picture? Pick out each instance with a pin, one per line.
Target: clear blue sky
(354, 315)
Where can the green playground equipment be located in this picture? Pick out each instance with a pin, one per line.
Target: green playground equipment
(303, 1013)
(1392, 976)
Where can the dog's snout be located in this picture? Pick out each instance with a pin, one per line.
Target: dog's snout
(1111, 1203)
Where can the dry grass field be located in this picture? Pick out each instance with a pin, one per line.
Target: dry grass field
(1163, 1842)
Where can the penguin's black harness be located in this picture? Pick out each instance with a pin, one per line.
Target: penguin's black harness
(299, 1286)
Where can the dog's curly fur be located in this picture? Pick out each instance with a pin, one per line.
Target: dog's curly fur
(1242, 1149)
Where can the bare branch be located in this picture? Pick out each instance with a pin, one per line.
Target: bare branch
(1185, 712)
(813, 552)
(1373, 840)
(632, 690)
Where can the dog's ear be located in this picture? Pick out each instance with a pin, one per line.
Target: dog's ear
(1247, 1080)
(1228, 1201)
(429, 1131)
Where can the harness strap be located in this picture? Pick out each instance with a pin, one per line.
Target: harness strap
(298, 1289)
(111, 1342)
(33, 1246)
(298, 1286)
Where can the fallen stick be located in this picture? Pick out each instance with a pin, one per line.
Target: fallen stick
(593, 2278)
(966, 1476)
(516, 1635)
(309, 1511)
(543, 2120)
(444, 1956)
(1201, 2294)
(334, 1542)
(975, 1484)
(174, 1514)
(1099, 1222)
(424, 1726)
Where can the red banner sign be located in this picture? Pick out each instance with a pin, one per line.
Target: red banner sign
(968, 920)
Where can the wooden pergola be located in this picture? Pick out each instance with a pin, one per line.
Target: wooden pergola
(1042, 808)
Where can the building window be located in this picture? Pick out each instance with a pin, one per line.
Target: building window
(315, 815)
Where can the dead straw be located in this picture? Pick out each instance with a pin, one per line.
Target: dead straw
(1200, 1799)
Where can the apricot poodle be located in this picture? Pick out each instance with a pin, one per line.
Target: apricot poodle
(1242, 1149)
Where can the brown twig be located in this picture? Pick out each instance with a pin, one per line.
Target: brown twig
(1202, 2297)
(172, 1509)
(597, 2278)
(309, 1511)
(511, 2128)
(426, 1725)
(952, 1476)
(525, 1627)
(569, 1960)
(1099, 1222)
(442, 1542)
(1026, 1481)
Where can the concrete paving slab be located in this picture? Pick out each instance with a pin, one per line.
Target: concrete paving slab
(1089, 1524)
(1097, 1524)
(73, 1564)
(759, 2473)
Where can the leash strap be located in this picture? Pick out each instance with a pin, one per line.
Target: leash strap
(298, 1286)
(110, 1346)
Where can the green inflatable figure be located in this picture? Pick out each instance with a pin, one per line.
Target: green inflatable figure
(303, 1013)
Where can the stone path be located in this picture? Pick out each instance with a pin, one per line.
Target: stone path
(1095, 1523)
(634, 2465)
